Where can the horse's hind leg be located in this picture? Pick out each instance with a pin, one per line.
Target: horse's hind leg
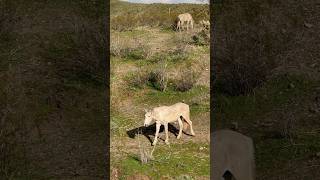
(167, 133)
(187, 25)
(187, 119)
(180, 128)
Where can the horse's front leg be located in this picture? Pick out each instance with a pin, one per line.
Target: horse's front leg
(157, 133)
(180, 128)
(167, 133)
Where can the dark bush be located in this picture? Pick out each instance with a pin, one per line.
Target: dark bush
(138, 79)
(175, 56)
(186, 80)
(140, 52)
(158, 78)
(202, 38)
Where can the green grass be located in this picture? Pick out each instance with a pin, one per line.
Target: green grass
(119, 123)
(154, 97)
(173, 161)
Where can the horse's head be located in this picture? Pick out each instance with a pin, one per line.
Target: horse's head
(147, 118)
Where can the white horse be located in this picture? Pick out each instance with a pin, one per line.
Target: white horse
(168, 114)
(183, 19)
(233, 156)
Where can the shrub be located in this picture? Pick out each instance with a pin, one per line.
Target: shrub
(116, 46)
(182, 39)
(120, 47)
(186, 80)
(140, 52)
(159, 77)
(177, 55)
(138, 79)
(201, 38)
(180, 54)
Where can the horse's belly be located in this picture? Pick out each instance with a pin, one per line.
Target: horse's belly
(170, 118)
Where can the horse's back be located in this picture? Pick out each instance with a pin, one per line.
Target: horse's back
(171, 112)
(185, 17)
(180, 107)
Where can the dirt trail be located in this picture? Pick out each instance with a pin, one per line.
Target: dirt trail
(159, 40)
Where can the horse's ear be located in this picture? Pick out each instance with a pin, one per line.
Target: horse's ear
(145, 110)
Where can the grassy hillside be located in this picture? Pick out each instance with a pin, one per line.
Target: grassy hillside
(152, 65)
(52, 90)
(125, 16)
(267, 81)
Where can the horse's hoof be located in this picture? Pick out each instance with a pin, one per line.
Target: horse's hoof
(192, 133)
(178, 137)
(167, 142)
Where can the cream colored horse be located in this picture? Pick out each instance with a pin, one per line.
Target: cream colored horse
(167, 114)
(183, 19)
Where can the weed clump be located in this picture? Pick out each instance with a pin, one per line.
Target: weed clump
(132, 50)
(175, 56)
(186, 80)
(158, 79)
(202, 38)
(138, 79)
